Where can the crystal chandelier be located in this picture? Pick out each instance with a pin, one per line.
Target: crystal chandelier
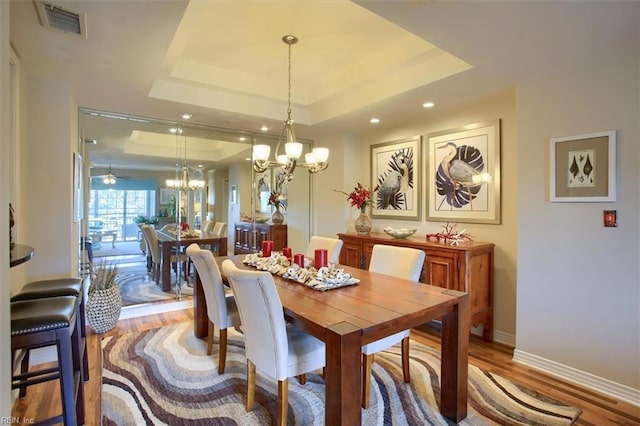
(315, 161)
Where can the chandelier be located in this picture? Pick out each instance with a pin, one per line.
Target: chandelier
(315, 161)
(183, 182)
(109, 178)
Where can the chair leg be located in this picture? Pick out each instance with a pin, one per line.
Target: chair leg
(405, 360)
(67, 387)
(251, 384)
(24, 369)
(302, 379)
(367, 362)
(222, 356)
(210, 331)
(283, 401)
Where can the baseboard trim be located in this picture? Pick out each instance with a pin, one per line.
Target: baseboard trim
(584, 379)
(48, 354)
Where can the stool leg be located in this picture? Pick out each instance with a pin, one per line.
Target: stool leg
(67, 386)
(24, 369)
(83, 335)
(78, 368)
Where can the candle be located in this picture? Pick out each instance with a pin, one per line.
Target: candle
(286, 252)
(299, 259)
(267, 247)
(320, 258)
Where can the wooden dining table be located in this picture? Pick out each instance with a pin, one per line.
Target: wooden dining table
(169, 241)
(348, 317)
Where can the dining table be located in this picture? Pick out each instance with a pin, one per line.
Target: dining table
(348, 317)
(170, 241)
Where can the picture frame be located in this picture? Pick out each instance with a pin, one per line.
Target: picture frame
(165, 195)
(78, 188)
(262, 185)
(463, 177)
(396, 170)
(583, 168)
(233, 194)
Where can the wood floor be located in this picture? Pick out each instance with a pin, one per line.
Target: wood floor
(43, 400)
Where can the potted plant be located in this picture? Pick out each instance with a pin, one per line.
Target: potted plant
(105, 301)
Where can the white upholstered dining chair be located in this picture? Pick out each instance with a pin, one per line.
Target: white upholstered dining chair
(273, 347)
(221, 309)
(401, 262)
(151, 239)
(332, 245)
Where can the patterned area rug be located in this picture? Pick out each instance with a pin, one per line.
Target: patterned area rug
(163, 376)
(137, 286)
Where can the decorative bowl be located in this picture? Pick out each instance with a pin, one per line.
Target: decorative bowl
(399, 232)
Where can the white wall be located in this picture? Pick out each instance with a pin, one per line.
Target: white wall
(578, 282)
(5, 158)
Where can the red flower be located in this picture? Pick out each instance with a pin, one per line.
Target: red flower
(360, 197)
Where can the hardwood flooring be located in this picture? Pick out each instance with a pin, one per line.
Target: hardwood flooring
(43, 400)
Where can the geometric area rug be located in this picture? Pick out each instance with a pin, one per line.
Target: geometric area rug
(137, 286)
(164, 377)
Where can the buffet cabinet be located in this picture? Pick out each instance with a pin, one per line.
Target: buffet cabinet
(249, 236)
(467, 267)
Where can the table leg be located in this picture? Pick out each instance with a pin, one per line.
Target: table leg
(200, 321)
(166, 266)
(454, 369)
(343, 375)
(222, 247)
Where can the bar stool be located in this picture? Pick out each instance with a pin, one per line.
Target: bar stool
(54, 288)
(45, 322)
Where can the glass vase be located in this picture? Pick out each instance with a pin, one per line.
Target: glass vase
(277, 217)
(362, 224)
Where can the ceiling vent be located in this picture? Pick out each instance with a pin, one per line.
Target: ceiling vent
(61, 19)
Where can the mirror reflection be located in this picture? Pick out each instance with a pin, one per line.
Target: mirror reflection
(144, 171)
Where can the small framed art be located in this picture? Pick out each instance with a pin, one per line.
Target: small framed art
(583, 168)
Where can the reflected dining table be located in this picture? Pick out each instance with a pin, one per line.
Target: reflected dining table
(169, 241)
(348, 317)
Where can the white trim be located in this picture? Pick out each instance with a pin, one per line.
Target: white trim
(504, 338)
(584, 379)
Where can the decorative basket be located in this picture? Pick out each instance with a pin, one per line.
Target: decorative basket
(103, 309)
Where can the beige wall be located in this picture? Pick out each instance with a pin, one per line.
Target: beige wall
(353, 157)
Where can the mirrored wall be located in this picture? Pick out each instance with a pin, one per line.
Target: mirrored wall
(180, 172)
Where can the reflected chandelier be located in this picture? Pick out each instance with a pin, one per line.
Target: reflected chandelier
(183, 182)
(315, 161)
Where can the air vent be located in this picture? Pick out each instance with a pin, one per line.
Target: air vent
(61, 19)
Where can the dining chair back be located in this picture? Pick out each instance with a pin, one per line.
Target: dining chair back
(219, 229)
(400, 262)
(332, 245)
(207, 226)
(221, 308)
(169, 227)
(273, 347)
(153, 245)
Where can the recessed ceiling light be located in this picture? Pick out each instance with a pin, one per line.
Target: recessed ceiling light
(428, 105)
(242, 138)
(248, 158)
(264, 128)
(200, 165)
(374, 120)
(175, 130)
(186, 116)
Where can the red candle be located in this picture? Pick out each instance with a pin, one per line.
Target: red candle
(267, 247)
(299, 259)
(321, 258)
(286, 252)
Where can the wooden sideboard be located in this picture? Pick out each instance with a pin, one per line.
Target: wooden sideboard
(249, 236)
(467, 267)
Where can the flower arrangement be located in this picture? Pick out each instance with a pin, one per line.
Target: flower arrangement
(275, 200)
(360, 197)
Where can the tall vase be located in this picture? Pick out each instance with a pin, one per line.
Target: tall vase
(277, 217)
(362, 223)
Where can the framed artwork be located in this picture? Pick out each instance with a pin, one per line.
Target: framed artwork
(463, 177)
(233, 194)
(583, 168)
(395, 170)
(78, 188)
(262, 187)
(165, 195)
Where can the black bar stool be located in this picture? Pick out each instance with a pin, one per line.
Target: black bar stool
(54, 288)
(45, 322)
